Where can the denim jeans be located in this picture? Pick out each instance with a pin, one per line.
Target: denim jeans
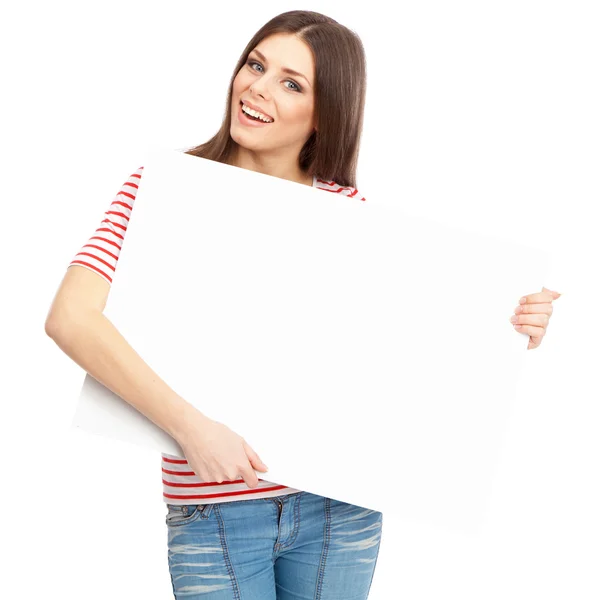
(298, 546)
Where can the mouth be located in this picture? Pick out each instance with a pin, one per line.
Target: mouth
(252, 118)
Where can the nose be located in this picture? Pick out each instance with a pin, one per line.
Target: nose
(260, 88)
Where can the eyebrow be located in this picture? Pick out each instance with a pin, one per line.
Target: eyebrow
(284, 69)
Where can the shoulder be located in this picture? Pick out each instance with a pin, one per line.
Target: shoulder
(126, 195)
(133, 180)
(332, 186)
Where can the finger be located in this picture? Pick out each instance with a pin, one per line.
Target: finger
(536, 298)
(555, 295)
(257, 463)
(544, 307)
(250, 477)
(537, 320)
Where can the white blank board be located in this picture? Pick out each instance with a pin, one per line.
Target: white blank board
(364, 353)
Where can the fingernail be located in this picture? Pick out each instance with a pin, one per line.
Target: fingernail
(522, 300)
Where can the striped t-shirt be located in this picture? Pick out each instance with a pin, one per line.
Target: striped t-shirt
(100, 255)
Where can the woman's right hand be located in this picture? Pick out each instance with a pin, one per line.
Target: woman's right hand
(215, 452)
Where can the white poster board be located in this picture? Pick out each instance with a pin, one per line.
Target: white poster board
(364, 353)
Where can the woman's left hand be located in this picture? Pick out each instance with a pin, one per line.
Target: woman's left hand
(533, 314)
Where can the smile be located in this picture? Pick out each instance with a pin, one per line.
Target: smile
(255, 115)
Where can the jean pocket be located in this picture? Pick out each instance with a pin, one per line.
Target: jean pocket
(181, 515)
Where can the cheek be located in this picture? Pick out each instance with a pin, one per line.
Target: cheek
(236, 90)
(297, 113)
(241, 82)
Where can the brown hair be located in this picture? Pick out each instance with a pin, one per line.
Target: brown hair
(340, 87)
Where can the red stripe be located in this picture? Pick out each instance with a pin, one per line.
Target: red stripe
(240, 493)
(335, 191)
(110, 230)
(103, 250)
(213, 483)
(97, 237)
(338, 190)
(119, 214)
(182, 473)
(123, 204)
(123, 227)
(132, 196)
(176, 461)
(135, 185)
(351, 195)
(81, 262)
(97, 258)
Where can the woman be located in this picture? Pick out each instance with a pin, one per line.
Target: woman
(294, 111)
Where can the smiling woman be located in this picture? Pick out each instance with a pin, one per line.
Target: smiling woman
(294, 110)
(306, 74)
(266, 89)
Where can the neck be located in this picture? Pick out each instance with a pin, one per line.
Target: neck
(276, 166)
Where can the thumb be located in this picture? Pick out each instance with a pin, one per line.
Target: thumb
(254, 459)
(555, 295)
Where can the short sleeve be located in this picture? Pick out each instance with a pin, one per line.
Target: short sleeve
(101, 252)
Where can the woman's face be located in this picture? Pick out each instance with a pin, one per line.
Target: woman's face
(287, 99)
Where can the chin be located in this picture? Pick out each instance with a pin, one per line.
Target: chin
(238, 139)
(245, 141)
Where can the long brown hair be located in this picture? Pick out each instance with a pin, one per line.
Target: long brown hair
(340, 88)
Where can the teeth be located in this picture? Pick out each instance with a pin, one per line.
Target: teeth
(255, 113)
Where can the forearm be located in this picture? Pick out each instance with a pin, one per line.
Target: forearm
(95, 344)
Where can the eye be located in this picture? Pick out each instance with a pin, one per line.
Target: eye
(250, 63)
(297, 88)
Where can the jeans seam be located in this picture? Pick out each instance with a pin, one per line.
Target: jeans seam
(327, 534)
(173, 586)
(294, 533)
(236, 588)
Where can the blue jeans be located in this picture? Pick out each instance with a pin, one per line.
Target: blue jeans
(294, 547)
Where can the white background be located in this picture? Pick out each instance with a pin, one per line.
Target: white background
(478, 114)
